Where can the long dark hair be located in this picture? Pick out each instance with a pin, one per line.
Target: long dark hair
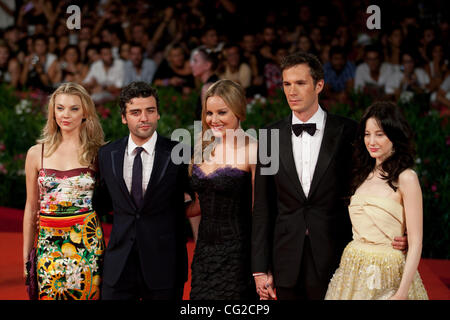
(391, 120)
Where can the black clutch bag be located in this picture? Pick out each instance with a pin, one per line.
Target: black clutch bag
(31, 280)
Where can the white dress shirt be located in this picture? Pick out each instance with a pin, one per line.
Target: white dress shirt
(363, 77)
(395, 80)
(305, 148)
(147, 156)
(445, 86)
(148, 70)
(49, 59)
(114, 75)
(5, 19)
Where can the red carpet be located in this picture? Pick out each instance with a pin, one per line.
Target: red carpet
(435, 273)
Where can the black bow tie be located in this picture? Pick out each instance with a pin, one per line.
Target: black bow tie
(298, 128)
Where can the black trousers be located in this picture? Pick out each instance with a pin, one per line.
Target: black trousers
(131, 284)
(309, 285)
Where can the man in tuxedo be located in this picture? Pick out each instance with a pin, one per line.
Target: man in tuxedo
(300, 221)
(146, 256)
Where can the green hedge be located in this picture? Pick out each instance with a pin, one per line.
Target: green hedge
(22, 116)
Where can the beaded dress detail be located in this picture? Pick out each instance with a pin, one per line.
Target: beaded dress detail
(370, 268)
(221, 263)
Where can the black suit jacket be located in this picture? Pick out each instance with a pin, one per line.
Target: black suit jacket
(282, 212)
(158, 226)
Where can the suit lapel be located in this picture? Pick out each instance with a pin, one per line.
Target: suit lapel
(117, 158)
(332, 133)
(287, 157)
(160, 164)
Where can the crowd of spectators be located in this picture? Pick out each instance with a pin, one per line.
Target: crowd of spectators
(155, 41)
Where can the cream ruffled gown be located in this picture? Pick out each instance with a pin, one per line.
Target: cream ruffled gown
(370, 269)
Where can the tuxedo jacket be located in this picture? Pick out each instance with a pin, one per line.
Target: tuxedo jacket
(158, 227)
(282, 212)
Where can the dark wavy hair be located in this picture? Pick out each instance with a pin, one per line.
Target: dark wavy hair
(137, 89)
(392, 121)
(297, 58)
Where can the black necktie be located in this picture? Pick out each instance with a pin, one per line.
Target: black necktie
(298, 128)
(136, 180)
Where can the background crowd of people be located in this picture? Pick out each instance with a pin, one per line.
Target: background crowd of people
(119, 50)
(154, 41)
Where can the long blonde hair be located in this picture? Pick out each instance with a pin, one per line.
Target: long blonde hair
(233, 94)
(91, 132)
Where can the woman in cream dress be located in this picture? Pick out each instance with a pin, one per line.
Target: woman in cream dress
(387, 199)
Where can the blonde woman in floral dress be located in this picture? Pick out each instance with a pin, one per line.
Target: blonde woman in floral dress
(60, 179)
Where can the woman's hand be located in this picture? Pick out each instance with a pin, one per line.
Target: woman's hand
(25, 271)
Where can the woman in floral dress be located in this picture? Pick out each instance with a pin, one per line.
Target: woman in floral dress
(60, 179)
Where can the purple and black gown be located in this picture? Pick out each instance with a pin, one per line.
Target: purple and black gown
(221, 265)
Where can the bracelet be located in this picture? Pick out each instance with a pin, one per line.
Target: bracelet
(259, 274)
(166, 82)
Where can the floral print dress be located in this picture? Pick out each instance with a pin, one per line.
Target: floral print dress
(70, 245)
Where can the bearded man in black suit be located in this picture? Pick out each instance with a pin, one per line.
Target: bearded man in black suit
(146, 256)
